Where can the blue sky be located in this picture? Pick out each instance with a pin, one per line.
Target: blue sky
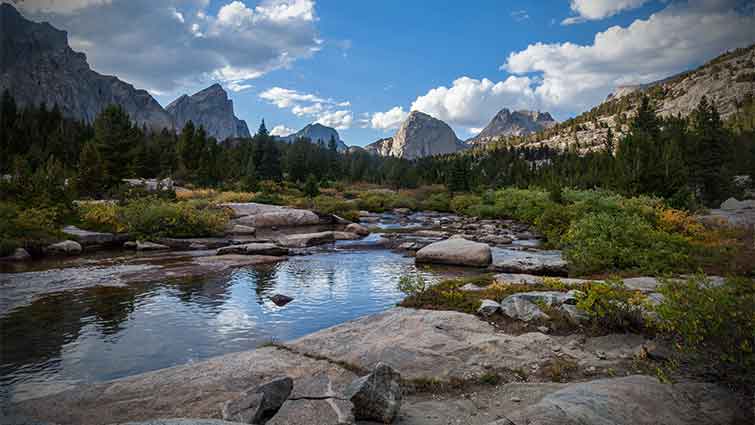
(361, 66)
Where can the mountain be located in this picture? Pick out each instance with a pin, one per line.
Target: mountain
(725, 80)
(38, 66)
(518, 123)
(210, 108)
(315, 133)
(420, 135)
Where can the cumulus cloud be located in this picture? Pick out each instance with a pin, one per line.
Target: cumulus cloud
(281, 130)
(572, 77)
(591, 10)
(323, 110)
(340, 120)
(387, 120)
(180, 43)
(471, 103)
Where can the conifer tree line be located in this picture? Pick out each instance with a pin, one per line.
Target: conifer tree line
(685, 160)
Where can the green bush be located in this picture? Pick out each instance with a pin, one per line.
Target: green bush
(611, 307)
(601, 242)
(522, 204)
(150, 219)
(30, 228)
(332, 205)
(437, 202)
(375, 201)
(717, 321)
(101, 216)
(463, 204)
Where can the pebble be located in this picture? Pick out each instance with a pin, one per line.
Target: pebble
(516, 399)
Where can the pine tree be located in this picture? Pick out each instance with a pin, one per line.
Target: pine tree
(311, 187)
(113, 134)
(91, 176)
(712, 178)
(250, 180)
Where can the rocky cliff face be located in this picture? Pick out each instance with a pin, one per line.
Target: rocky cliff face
(316, 133)
(38, 66)
(725, 81)
(419, 136)
(518, 123)
(210, 108)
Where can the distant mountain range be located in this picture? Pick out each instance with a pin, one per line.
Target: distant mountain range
(38, 66)
(518, 123)
(317, 133)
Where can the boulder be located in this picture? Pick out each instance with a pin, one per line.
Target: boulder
(345, 236)
(258, 405)
(19, 254)
(194, 243)
(471, 287)
(631, 400)
(64, 248)
(546, 263)
(358, 229)
(575, 315)
(150, 246)
(255, 248)
(181, 421)
(520, 308)
(377, 396)
(280, 300)
(261, 215)
(86, 237)
(239, 229)
(431, 234)
(488, 308)
(305, 411)
(459, 252)
(304, 240)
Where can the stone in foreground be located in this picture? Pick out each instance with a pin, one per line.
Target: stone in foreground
(632, 400)
(358, 229)
(254, 249)
(531, 262)
(86, 237)
(488, 308)
(377, 396)
(19, 254)
(150, 246)
(459, 252)
(64, 248)
(260, 404)
(304, 240)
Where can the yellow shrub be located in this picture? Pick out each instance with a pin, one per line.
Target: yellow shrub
(187, 194)
(103, 216)
(224, 197)
(677, 221)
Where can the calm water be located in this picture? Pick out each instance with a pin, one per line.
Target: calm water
(105, 333)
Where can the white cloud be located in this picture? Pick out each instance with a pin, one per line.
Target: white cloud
(281, 130)
(520, 15)
(471, 103)
(340, 120)
(571, 77)
(475, 130)
(181, 44)
(323, 110)
(591, 10)
(388, 120)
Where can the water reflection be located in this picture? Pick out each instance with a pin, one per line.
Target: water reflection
(105, 333)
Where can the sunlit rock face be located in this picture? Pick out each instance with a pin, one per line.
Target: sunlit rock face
(419, 136)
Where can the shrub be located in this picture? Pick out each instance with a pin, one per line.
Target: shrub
(30, 228)
(339, 207)
(462, 204)
(101, 216)
(376, 200)
(522, 204)
(611, 307)
(224, 197)
(554, 223)
(717, 321)
(602, 242)
(149, 219)
(412, 285)
(437, 202)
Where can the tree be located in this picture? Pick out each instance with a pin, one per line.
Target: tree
(113, 133)
(250, 180)
(91, 176)
(712, 179)
(311, 187)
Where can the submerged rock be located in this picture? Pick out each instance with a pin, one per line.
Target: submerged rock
(377, 396)
(304, 240)
(255, 248)
(358, 229)
(280, 300)
(150, 246)
(64, 248)
(459, 252)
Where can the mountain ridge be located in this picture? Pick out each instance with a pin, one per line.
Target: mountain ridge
(516, 123)
(210, 108)
(419, 136)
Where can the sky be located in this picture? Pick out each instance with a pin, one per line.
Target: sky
(361, 66)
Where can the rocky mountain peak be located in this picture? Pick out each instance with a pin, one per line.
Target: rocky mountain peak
(38, 66)
(210, 108)
(518, 123)
(317, 132)
(420, 135)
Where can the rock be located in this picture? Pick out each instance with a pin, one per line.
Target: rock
(488, 308)
(194, 243)
(316, 133)
(64, 248)
(547, 263)
(262, 215)
(358, 229)
(575, 315)
(304, 240)
(129, 245)
(260, 404)
(377, 396)
(150, 246)
(471, 287)
(431, 234)
(326, 411)
(281, 300)
(631, 400)
(85, 237)
(255, 248)
(520, 308)
(543, 329)
(345, 236)
(182, 421)
(654, 351)
(238, 229)
(212, 109)
(496, 239)
(39, 67)
(19, 254)
(459, 252)
(420, 135)
(531, 279)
